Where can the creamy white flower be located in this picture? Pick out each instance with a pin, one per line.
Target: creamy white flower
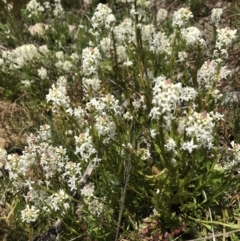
(62, 82)
(191, 35)
(155, 112)
(90, 60)
(93, 84)
(67, 66)
(59, 55)
(73, 182)
(148, 32)
(42, 73)
(188, 93)
(20, 56)
(9, 7)
(200, 127)
(160, 43)
(105, 126)
(102, 17)
(121, 53)
(144, 154)
(84, 146)
(58, 96)
(210, 73)
(216, 15)
(58, 200)
(161, 15)
(153, 133)
(181, 17)
(95, 207)
(106, 46)
(127, 116)
(166, 97)
(88, 190)
(43, 49)
(26, 83)
(44, 134)
(72, 168)
(225, 37)
(79, 113)
(124, 32)
(47, 6)
(74, 57)
(58, 9)
(170, 145)
(34, 8)
(127, 63)
(189, 146)
(29, 214)
(182, 56)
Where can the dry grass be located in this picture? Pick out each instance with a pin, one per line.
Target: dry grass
(15, 123)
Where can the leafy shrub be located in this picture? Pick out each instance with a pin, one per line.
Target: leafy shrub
(131, 147)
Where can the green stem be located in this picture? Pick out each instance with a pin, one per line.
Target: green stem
(162, 141)
(172, 58)
(115, 60)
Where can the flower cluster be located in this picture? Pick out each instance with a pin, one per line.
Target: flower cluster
(235, 151)
(161, 15)
(155, 40)
(124, 32)
(20, 56)
(42, 73)
(58, 9)
(29, 214)
(40, 164)
(192, 36)
(225, 37)
(165, 96)
(95, 207)
(106, 46)
(188, 94)
(108, 104)
(103, 17)
(170, 145)
(73, 174)
(84, 146)
(216, 16)
(90, 61)
(140, 3)
(58, 201)
(91, 84)
(105, 127)
(211, 73)
(65, 64)
(8, 6)
(58, 94)
(200, 127)
(181, 17)
(160, 44)
(34, 8)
